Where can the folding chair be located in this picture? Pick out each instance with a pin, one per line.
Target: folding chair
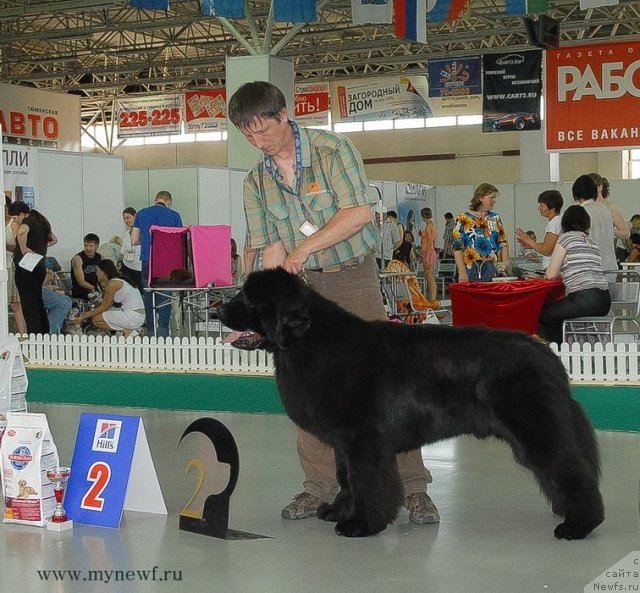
(408, 300)
(623, 318)
(445, 274)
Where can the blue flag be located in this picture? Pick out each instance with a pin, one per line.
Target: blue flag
(151, 4)
(300, 11)
(231, 9)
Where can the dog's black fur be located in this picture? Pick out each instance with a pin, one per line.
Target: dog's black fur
(373, 389)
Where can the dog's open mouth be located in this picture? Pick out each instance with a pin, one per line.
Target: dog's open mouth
(246, 340)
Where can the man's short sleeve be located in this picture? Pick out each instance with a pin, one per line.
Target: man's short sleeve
(349, 178)
(259, 231)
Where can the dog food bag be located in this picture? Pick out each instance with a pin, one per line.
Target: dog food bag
(27, 453)
(13, 381)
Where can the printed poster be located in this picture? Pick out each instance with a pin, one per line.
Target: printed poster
(20, 172)
(592, 97)
(157, 115)
(512, 84)
(455, 86)
(205, 111)
(31, 117)
(312, 104)
(399, 97)
(411, 198)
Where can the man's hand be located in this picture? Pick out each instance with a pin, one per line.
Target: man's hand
(294, 262)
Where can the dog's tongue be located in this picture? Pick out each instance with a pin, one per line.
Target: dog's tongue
(247, 340)
(232, 337)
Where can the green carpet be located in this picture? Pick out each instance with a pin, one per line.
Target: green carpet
(609, 407)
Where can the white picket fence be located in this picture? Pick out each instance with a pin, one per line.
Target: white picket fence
(142, 354)
(609, 362)
(599, 363)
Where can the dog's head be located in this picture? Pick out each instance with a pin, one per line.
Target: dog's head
(271, 311)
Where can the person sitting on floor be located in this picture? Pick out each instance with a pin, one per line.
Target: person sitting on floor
(84, 280)
(129, 317)
(56, 302)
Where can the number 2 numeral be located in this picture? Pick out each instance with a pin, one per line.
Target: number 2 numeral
(99, 475)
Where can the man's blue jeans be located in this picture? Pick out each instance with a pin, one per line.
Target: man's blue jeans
(163, 307)
(57, 306)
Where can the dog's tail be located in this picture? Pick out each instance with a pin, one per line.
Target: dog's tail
(586, 437)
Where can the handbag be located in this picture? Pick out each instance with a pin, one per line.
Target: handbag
(431, 318)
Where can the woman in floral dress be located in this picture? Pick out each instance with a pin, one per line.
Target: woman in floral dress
(479, 238)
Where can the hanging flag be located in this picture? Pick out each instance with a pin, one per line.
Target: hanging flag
(518, 7)
(586, 4)
(411, 19)
(151, 4)
(439, 11)
(300, 11)
(371, 11)
(230, 9)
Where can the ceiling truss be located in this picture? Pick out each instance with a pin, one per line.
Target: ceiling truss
(102, 50)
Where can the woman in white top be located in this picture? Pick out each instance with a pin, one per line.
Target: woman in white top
(129, 316)
(131, 264)
(550, 204)
(620, 227)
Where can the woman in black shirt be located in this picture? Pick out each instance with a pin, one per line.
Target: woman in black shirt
(405, 252)
(34, 236)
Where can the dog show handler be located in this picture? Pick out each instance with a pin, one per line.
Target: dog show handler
(308, 208)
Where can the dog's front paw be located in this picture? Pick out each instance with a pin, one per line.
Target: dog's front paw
(331, 513)
(354, 528)
(571, 531)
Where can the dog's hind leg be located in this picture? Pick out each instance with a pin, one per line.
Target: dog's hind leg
(578, 478)
(375, 485)
(565, 477)
(583, 507)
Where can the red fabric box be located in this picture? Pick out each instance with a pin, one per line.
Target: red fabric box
(503, 305)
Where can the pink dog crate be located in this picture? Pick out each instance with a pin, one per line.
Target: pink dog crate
(203, 250)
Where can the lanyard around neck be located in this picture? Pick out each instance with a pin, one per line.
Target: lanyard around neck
(268, 163)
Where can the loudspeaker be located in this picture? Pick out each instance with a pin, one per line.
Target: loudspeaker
(544, 33)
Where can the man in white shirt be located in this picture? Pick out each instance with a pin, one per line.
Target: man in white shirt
(389, 239)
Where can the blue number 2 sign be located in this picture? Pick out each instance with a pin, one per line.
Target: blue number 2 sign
(111, 471)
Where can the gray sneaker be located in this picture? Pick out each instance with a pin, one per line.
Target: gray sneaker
(421, 508)
(302, 506)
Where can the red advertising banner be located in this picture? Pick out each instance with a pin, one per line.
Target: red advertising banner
(312, 104)
(205, 111)
(592, 97)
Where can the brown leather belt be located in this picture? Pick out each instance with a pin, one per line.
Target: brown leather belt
(342, 266)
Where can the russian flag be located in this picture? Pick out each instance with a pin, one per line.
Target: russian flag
(440, 11)
(410, 20)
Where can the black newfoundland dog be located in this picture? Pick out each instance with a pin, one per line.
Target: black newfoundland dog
(373, 389)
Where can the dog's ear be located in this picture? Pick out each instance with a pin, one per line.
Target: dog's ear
(291, 324)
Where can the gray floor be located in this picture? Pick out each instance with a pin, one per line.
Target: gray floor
(495, 535)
